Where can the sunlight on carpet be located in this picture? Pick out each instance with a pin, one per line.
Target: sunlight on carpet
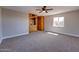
(53, 33)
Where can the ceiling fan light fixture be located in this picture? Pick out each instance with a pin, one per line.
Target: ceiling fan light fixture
(43, 11)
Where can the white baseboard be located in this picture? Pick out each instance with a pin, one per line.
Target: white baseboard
(71, 34)
(74, 35)
(14, 35)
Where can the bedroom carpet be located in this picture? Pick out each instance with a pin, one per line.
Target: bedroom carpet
(40, 42)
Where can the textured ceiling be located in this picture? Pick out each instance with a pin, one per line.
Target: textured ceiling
(32, 9)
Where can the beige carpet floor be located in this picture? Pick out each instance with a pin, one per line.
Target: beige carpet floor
(41, 42)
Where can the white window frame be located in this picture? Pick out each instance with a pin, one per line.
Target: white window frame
(57, 22)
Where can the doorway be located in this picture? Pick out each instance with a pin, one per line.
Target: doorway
(36, 23)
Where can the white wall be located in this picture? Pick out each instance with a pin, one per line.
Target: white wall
(14, 23)
(71, 23)
(0, 27)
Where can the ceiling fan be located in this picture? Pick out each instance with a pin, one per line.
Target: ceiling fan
(44, 9)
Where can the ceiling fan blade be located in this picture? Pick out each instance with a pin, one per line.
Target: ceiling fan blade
(49, 9)
(46, 11)
(44, 6)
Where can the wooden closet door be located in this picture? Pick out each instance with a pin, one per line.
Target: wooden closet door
(40, 23)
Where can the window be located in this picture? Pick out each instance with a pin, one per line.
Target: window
(58, 22)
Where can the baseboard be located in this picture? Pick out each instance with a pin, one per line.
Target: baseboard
(14, 36)
(74, 35)
(1, 39)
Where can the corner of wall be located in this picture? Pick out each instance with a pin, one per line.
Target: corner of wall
(1, 40)
(1, 25)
